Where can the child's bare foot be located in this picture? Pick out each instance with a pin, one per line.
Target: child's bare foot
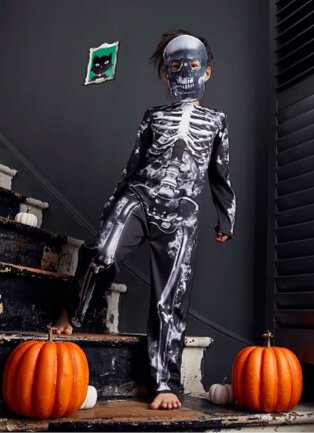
(166, 400)
(62, 325)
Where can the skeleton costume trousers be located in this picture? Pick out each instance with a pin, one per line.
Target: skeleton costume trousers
(171, 256)
(157, 200)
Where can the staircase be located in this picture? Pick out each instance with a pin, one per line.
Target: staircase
(36, 270)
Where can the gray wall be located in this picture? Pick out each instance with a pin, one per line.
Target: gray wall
(79, 137)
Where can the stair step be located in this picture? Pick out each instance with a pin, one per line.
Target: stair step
(37, 248)
(195, 414)
(26, 271)
(12, 203)
(31, 298)
(80, 338)
(118, 362)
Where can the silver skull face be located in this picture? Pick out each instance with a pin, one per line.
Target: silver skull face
(185, 60)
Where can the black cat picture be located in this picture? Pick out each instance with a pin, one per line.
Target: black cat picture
(101, 65)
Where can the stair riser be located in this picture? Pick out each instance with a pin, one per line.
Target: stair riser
(26, 247)
(115, 370)
(118, 371)
(29, 303)
(9, 205)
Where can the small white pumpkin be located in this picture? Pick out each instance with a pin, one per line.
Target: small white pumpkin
(91, 398)
(26, 218)
(221, 393)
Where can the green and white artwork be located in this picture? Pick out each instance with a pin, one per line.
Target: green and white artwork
(102, 63)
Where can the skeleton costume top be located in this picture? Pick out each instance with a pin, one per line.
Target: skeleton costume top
(176, 146)
(157, 198)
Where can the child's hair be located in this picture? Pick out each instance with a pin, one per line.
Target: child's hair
(157, 56)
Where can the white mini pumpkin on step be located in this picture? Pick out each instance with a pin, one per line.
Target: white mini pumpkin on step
(91, 398)
(26, 218)
(221, 393)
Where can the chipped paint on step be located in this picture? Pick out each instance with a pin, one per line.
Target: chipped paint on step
(49, 260)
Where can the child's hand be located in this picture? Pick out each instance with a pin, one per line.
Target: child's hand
(220, 237)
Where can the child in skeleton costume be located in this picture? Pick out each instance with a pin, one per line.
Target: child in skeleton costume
(157, 199)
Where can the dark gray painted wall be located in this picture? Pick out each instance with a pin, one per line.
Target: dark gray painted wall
(79, 137)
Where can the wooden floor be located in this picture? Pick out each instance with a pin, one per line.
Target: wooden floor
(196, 414)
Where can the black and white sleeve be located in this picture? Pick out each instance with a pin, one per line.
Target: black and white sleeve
(219, 181)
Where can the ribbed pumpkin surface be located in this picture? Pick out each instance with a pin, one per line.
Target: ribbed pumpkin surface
(267, 379)
(45, 379)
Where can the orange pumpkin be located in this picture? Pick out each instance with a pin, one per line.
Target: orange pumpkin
(267, 379)
(45, 379)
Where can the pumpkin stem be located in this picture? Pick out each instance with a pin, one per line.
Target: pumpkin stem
(268, 335)
(50, 331)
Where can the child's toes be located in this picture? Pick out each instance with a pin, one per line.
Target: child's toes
(68, 330)
(154, 405)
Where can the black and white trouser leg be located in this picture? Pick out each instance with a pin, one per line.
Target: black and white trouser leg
(171, 269)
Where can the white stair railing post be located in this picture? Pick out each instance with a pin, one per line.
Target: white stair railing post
(192, 361)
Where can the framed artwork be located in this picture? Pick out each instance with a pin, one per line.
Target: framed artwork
(102, 63)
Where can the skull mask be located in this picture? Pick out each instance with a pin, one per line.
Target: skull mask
(185, 60)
